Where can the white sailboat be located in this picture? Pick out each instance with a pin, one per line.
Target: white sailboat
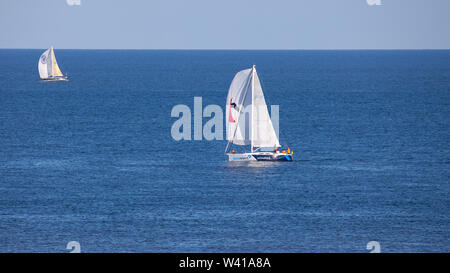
(248, 121)
(48, 67)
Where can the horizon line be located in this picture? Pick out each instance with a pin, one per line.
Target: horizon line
(232, 49)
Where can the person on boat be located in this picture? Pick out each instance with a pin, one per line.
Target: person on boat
(234, 106)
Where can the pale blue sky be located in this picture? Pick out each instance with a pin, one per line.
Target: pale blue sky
(225, 24)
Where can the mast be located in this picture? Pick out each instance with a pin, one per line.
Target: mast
(50, 62)
(253, 112)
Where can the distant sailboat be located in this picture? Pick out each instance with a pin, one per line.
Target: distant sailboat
(248, 121)
(48, 67)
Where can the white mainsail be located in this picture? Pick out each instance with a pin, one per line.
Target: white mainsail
(48, 67)
(247, 118)
(263, 133)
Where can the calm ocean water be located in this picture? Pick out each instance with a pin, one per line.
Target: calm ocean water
(92, 160)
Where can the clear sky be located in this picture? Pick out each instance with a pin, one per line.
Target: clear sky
(225, 24)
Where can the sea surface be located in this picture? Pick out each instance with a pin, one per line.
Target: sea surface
(92, 160)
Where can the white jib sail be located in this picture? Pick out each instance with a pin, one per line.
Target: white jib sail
(44, 65)
(247, 118)
(238, 108)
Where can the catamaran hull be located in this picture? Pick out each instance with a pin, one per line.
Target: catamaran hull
(260, 157)
(56, 79)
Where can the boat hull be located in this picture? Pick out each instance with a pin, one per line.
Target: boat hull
(56, 79)
(262, 156)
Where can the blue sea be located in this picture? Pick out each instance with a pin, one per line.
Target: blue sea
(92, 160)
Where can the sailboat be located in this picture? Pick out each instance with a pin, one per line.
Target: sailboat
(48, 67)
(248, 122)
